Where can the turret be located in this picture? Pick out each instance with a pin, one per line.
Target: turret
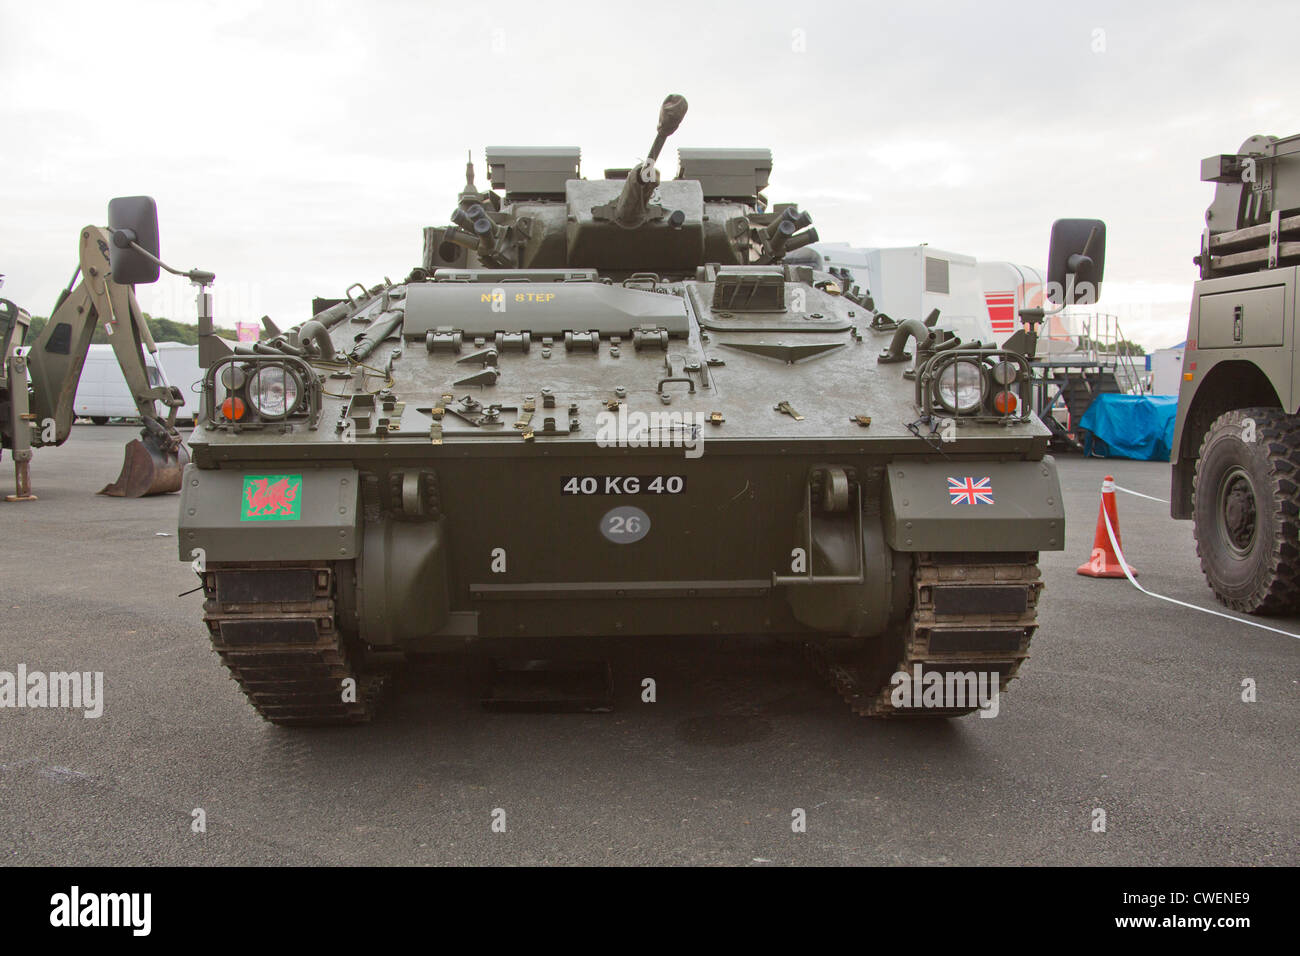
(632, 220)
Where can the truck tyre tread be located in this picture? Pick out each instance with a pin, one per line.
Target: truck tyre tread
(1263, 578)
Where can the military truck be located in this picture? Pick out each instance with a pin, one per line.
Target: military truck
(1236, 451)
(607, 407)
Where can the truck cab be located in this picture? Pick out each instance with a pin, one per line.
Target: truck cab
(1236, 451)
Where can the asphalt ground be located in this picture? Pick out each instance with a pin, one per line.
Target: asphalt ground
(1128, 705)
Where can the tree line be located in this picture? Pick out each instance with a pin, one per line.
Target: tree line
(162, 330)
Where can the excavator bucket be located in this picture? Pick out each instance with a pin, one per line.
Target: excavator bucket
(148, 470)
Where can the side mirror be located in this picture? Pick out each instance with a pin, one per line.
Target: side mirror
(133, 219)
(1076, 260)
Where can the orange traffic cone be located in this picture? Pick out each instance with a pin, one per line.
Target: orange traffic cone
(1104, 563)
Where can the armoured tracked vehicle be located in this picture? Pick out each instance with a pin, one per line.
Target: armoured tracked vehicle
(608, 407)
(1236, 451)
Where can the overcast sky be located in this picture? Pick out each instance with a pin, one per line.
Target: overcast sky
(296, 148)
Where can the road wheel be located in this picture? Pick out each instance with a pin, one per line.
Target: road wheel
(1244, 494)
(99, 419)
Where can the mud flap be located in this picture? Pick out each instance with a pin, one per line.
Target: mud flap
(148, 470)
(973, 505)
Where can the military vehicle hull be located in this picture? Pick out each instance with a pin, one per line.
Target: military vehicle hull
(609, 408)
(595, 508)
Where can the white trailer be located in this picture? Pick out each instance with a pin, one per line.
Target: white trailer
(180, 365)
(102, 392)
(976, 300)
(1167, 370)
(1009, 287)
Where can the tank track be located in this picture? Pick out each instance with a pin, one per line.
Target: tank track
(970, 612)
(275, 630)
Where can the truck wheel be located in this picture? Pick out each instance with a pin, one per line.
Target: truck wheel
(99, 419)
(1244, 495)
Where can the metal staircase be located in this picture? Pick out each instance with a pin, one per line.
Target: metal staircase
(1078, 357)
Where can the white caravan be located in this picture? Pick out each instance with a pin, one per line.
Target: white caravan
(976, 300)
(180, 365)
(102, 392)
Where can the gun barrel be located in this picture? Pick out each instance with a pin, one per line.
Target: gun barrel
(634, 200)
(671, 114)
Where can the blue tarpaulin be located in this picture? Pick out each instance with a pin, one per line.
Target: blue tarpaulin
(1130, 426)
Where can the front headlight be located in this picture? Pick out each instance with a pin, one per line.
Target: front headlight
(960, 386)
(1004, 373)
(274, 391)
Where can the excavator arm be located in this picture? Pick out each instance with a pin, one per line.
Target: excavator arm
(42, 413)
(59, 352)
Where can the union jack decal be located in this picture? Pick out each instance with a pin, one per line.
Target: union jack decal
(969, 491)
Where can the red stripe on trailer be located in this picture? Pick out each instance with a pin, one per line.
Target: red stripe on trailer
(1002, 310)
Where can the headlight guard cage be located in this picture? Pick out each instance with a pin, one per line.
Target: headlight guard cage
(927, 376)
(310, 404)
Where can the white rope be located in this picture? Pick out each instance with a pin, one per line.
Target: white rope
(1139, 494)
(1110, 532)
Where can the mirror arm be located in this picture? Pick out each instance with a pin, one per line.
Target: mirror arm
(1051, 308)
(1081, 263)
(197, 276)
(1090, 247)
(202, 280)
